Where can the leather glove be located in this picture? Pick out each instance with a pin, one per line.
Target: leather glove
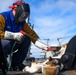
(42, 46)
(16, 36)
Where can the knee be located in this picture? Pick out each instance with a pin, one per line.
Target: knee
(26, 40)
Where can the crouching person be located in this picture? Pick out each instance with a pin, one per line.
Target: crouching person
(11, 24)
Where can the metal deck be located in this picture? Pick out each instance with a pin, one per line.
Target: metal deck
(70, 72)
(21, 73)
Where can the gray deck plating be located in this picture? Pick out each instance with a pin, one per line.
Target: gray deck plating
(70, 72)
(21, 73)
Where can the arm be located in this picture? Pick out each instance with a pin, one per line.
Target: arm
(31, 33)
(7, 34)
(35, 38)
(2, 26)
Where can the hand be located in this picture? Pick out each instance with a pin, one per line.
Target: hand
(45, 49)
(18, 36)
(49, 48)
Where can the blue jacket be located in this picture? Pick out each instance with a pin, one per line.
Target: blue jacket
(11, 25)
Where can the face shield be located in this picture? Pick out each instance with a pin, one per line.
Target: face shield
(22, 12)
(23, 16)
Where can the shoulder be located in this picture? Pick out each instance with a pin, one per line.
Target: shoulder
(5, 14)
(2, 18)
(2, 22)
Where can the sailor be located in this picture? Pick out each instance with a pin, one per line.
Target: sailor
(13, 28)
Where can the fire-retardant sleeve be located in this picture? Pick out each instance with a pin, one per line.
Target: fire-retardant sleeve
(30, 32)
(2, 26)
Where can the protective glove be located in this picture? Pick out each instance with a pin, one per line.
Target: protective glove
(16, 36)
(42, 46)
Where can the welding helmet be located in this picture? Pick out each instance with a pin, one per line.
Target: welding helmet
(22, 11)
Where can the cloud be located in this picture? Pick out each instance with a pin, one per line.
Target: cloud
(51, 18)
(5, 4)
(54, 17)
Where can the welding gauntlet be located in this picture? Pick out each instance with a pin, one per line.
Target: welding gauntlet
(10, 35)
(42, 46)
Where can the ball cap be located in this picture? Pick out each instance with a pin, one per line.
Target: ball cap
(15, 4)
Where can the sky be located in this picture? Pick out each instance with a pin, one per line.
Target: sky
(52, 19)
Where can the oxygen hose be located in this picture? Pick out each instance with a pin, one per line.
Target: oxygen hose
(11, 54)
